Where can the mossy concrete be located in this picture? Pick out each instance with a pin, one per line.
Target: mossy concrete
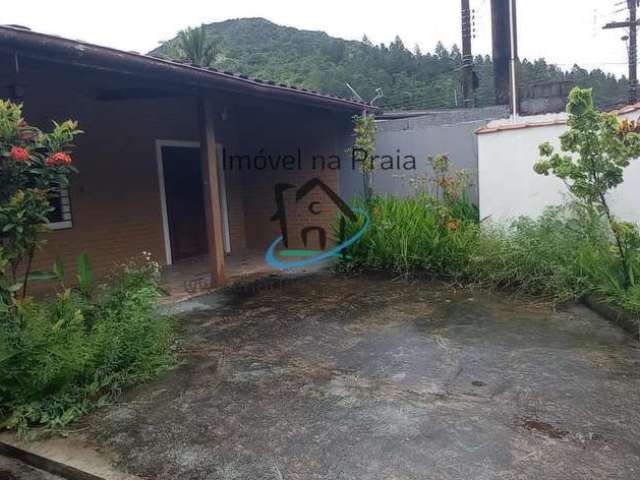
(366, 379)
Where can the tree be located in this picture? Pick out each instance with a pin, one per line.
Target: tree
(593, 155)
(195, 46)
(259, 48)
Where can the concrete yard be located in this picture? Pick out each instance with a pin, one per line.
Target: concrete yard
(363, 378)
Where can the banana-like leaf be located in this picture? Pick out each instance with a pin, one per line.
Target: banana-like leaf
(58, 269)
(85, 273)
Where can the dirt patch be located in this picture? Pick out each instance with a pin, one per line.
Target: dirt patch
(544, 428)
(364, 378)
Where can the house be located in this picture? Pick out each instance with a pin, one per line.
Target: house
(177, 160)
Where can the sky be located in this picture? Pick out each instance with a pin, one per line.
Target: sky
(562, 31)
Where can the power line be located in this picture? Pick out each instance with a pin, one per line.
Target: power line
(632, 24)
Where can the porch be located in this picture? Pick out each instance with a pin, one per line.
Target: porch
(191, 277)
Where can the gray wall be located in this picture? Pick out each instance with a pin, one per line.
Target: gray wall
(451, 133)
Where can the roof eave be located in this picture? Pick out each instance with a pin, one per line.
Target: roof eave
(62, 50)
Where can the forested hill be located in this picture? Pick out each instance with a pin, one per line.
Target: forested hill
(410, 79)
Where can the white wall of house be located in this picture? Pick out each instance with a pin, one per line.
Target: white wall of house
(508, 186)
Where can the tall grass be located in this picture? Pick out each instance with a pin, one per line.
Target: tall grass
(411, 235)
(565, 254)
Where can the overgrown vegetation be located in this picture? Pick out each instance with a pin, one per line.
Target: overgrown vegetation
(570, 251)
(410, 79)
(594, 153)
(429, 232)
(62, 356)
(563, 255)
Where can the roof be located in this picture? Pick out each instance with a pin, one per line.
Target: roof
(16, 39)
(535, 121)
(457, 116)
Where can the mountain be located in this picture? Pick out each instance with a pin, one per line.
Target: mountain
(409, 79)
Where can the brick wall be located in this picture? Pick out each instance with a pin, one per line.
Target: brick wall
(115, 199)
(284, 132)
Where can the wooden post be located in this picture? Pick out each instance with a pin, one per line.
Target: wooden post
(210, 173)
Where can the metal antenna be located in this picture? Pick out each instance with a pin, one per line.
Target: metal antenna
(357, 95)
(379, 95)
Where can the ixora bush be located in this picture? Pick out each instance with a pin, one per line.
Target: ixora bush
(34, 167)
(59, 357)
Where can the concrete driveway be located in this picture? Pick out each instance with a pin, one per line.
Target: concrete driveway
(333, 379)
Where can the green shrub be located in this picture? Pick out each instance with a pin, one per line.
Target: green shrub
(566, 253)
(431, 232)
(60, 358)
(563, 254)
(411, 235)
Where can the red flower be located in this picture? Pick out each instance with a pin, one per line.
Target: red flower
(19, 154)
(59, 158)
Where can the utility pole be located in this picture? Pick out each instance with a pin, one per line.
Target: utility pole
(505, 52)
(467, 58)
(500, 32)
(513, 41)
(632, 25)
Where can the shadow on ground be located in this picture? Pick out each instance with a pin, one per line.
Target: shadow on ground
(333, 378)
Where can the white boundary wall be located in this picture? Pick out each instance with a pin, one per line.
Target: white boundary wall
(508, 186)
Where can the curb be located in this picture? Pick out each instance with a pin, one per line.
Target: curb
(41, 463)
(615, 314)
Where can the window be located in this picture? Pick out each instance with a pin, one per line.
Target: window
(60, 217)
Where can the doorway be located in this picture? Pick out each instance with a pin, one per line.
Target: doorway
(182, 195)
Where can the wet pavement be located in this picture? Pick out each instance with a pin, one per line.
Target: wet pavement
(360, 378)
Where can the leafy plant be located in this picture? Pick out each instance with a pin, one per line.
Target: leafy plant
(62, 357)
(594, 153)
(84, 273)
(364, 131)
(34, 166)
(431, 232)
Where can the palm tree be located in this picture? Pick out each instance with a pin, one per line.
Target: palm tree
(196, 47)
